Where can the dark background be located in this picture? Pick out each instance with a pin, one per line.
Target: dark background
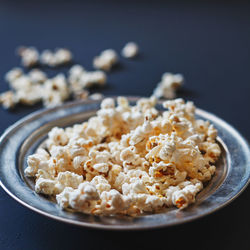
(207, 41)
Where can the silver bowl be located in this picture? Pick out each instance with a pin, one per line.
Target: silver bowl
(23, 138)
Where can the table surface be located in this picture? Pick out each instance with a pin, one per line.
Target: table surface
(208, 42)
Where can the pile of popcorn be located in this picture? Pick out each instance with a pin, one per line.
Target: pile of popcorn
(127, 159)
(35, 86)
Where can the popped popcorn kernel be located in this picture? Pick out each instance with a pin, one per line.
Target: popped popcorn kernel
(59, 57)
(168, 85)
(29, 56)
(105, 60)
(130, 50)
(8, 99)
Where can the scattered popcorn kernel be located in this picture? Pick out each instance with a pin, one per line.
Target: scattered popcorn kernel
(81, 94)
(59, 57)
(55, 91)
(47, 58)
(80, 79)
(105, 60)
(13, 74)
(37, 76)
(96, 96)
(29, 56)
(168, 85)
(130, 50)
(63, 56)
(8, 99)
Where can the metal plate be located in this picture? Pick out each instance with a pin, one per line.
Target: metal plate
(22, 139)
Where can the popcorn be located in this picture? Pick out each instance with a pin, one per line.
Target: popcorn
(55, 91)
(108, 103)
(47, 58)
(130, 50)
(59, 57)
(183, 194)
(57, 137)
(8, 99)
(101, 184)
(63, 198)
(37, 161)
(127, 159)
(67, 179)
(89, 79)
(45, 186)
(63, 56)
(105, 60)
(21, 83)
(96, 96)
(29, 56)
(80, 79)
(101, 167)
(34, 87)
(76, 70)
(168, 85)
(29, 96)
(81, 94)
(79, 161)
(113, 202)
(37, 76)
(83, 198)
(13, 74)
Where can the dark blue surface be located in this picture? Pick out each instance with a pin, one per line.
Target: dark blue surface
(208, 42)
